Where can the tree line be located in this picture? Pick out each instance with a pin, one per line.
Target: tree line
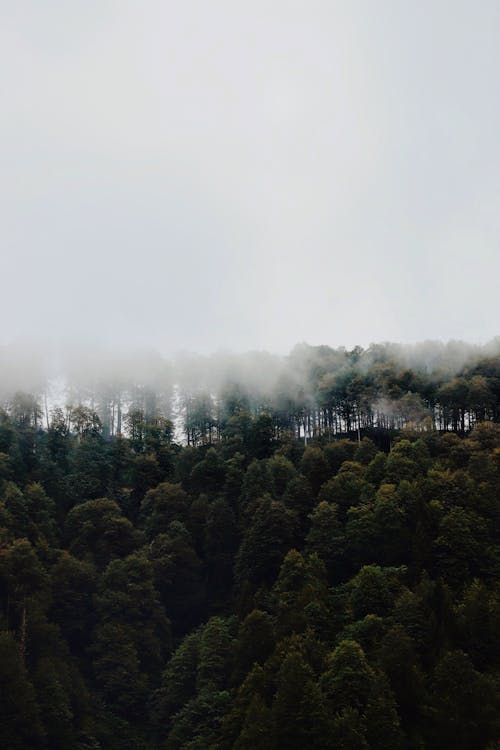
(315, 391)
(260, 585)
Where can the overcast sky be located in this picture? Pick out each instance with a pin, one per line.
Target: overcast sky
(246, 175)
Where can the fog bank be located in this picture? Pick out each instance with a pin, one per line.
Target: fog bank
(208, 176)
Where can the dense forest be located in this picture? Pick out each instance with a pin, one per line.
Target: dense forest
(253, 552)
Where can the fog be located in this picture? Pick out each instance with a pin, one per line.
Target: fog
(81, 374)
(202, 176)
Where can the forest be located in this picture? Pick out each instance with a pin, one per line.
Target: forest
(252, 552)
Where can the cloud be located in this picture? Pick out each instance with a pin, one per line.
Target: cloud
(203, 176)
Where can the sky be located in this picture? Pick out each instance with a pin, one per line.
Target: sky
(247, 175)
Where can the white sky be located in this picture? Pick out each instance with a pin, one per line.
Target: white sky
(246, 175)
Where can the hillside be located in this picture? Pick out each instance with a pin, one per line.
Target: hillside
(312, 567)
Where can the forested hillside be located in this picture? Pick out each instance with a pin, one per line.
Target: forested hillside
(303, 558)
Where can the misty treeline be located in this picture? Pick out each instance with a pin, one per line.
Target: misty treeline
(253, 590)
(315, 391)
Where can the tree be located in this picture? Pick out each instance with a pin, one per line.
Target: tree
(298, 498)
(398, 659)
(126, 596)
(42, 513)
(17, 509)
(348, 488)
(299, 592)
(233, 480)
(55, 705)
(370, 592)
(366, 452)
(359, 704)
(401, 463)
(391, 538)
(478, 621)
(97, 532)
(326, 538)
(221, 544)
(117, 670)
(197, 725)
(257, 482)
(314, 467)
(254, 643)
(215, 656)
(165, 503)
(178, 683)
(296, 711)
(257, 729)
(90, 469)
(261, 437)
(208, 475)
(265, 543)
(24, 583)
(250, 705)
(73, 584)
(178, 577)
(347, 680)
(460, 546)
(20, 725)
(339, 451)
(283, 473)
(464, 705)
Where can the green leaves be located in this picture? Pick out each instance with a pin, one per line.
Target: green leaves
(272, 596)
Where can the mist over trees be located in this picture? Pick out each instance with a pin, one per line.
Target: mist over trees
(314, 391)
(251, 552)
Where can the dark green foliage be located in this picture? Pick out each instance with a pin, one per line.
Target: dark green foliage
(20, 724)
(460, 546)
(352, 688)
(478, 620)
(349, 488)
(197, 725)
(314, 466)
(17, 510)
(179, 578)
(299, 594)
(208, 475)
(162, 505)
(299, 498)
(370, 592)
(397, 656)
(221, 544)
(339, 451)
(347, 679)
(257, 482)
(73, 583)
(126, 595)
(265, 543)
(326, 538)
(366, 452)
(296, 715)
(254, 643)
(179, 678)
(90, 469)
(248, 591)
(54, 699)
(117, 669)
(464, 705)
(97, 531)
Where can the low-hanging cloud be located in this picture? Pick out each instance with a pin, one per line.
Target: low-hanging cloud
(213, 176)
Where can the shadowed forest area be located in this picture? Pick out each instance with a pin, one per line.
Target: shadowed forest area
(252, 552)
